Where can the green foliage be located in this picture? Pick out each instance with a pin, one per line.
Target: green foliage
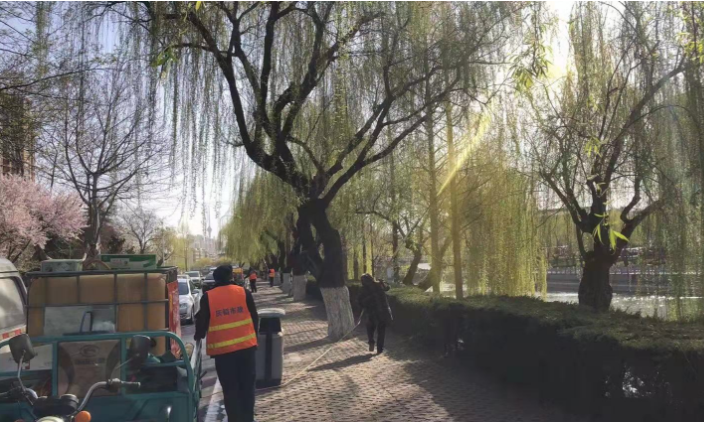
(504, 252)
(263, 215)
(532, 62)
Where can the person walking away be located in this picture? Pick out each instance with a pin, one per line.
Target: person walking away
(372, 299)
(272, 274)
(229, 321)
(253, 281)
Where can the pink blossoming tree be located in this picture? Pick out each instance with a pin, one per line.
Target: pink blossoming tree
(30, 215)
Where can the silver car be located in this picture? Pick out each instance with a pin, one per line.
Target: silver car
(189, 301)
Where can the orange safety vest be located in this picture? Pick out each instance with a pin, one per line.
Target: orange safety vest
(253, 276)
(272, 272)
(231, 326)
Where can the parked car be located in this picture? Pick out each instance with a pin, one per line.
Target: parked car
(13, 297)
(189, 301)
(208, 282)
(196, 278)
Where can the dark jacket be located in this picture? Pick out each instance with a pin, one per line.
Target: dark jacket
(373, 300)
(203, 315)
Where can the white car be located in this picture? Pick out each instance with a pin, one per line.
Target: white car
(189, 301)
(196, 278)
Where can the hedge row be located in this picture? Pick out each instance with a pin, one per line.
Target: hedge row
(614, 365)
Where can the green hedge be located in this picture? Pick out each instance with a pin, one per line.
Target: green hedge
(614, 365)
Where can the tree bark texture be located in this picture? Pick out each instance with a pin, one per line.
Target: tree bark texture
(595, 290)
(413, 268)
(330, 276)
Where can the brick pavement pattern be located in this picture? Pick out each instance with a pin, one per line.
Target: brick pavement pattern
(351, 384)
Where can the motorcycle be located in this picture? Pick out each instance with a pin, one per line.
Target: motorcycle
(66, 408)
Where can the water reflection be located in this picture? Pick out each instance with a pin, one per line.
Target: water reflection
(665, 307)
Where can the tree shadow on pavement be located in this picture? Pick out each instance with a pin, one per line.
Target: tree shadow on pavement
(308, 345)
(341, 364)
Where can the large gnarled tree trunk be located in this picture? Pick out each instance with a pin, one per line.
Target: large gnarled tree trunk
(595, 288)
(329, 270)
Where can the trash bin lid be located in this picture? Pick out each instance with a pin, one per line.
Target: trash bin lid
(271, 313)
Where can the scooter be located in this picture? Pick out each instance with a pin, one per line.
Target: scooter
(66, 408)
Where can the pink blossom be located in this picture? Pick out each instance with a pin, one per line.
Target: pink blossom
(30, 214)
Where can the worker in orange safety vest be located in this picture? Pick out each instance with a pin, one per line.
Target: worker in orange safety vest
(272, 274)
(253, 280)
(229, 321)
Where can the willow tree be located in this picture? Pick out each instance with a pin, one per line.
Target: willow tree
(277, 60)
(693, 128)
(261, 224)
(396, 197)
(594, 145)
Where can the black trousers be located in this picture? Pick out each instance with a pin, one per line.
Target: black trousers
(380, 328)
(253, 286)
(271, 281)
(237, 375)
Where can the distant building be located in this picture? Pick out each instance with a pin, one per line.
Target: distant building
(17, 136)
(198, 253)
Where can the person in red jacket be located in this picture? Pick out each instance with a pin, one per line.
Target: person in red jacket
(229, 321)
(272, 274)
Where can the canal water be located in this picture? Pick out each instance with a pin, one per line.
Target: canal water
(666, 307)
(642, 294)
(646, 291)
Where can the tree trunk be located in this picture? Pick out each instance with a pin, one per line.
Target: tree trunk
(435, 257)
(394, 260)
(394, 229)
(330, 277)
(281, 258)
(92, 234)
(371, 249)
(345, 263)
(595, 289)
(364, 248)
(355, 265)
(308, 258)
(417, 256)
(454, 204)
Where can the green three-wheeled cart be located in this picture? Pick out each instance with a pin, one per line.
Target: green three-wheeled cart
(104, 346)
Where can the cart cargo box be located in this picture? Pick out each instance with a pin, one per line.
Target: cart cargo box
(104, 301)
(130, 262)
(61, 265)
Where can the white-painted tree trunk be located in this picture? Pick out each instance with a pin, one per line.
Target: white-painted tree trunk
(339, 311)
(286, 283)
(299, 287)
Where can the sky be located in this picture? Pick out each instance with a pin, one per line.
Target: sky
(560, 44)
(178, 210)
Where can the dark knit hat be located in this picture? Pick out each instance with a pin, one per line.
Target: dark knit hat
(223, 273)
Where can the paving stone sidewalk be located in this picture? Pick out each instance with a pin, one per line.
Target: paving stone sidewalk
(350, 384)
